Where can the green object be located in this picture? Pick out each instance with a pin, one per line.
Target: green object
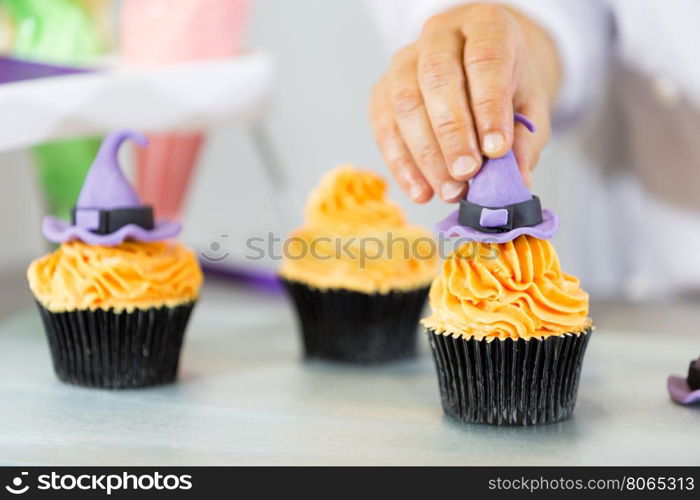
(61, 169)
(61, 32)
(56, 31)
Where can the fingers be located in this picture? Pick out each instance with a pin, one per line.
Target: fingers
(412, 119)
(449, 98)
(527, 146)
(394, 151)
(442, 83)
(490, 55)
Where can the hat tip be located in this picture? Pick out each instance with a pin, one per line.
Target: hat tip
(113, 141)
(499, 205)
(499, 183)
(109, 209)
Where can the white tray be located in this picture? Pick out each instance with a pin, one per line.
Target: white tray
(177, 97)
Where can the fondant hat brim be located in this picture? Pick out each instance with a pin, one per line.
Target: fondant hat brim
(680, 392)
(451, 227)
(60, 231)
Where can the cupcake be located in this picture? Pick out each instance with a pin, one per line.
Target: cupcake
(357, 273)
(115, 296)
(508, 328)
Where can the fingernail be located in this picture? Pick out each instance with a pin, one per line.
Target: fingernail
(451, 189)
(415, 191)
(493, 142)
(465, 165)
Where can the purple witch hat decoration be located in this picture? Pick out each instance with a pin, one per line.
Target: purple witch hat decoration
(499, 206)
(108, 210)
(686, 391)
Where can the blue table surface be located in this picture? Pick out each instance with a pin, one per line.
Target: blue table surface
(245, 396)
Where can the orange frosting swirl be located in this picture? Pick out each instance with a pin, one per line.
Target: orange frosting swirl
(347, 199)
(509, 290)
(132, 275)
(356, 239)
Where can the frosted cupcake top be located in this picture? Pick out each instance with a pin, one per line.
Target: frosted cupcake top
(133, 275)
(355, 238)
(113, 254)
(506, 290)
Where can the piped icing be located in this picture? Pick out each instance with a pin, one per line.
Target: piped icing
(348, 199)
(355, 238)
(506, 290)
(132, 275)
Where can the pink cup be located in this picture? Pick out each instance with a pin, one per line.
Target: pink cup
(162, 32)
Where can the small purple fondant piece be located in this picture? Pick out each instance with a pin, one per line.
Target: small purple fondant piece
(493, 217)
(451, 227)
(89, 218)
(107, 188)
(60, 231)
(497, 185)
(680, 392)
(520, 118)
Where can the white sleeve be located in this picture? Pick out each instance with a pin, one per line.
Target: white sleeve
(581, 30)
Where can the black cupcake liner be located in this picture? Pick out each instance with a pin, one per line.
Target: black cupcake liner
(116, 350)
(355, 327)
(509, 382)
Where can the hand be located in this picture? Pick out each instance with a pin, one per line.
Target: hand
(449, 97)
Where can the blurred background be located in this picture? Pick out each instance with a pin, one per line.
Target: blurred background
(326, 55)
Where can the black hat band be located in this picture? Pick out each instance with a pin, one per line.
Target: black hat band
(501, 219)
(108, 221)
(694, 375)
